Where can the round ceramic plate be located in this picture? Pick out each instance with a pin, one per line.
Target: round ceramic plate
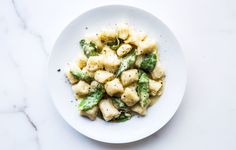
(67, 48)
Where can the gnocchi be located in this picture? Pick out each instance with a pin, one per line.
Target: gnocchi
(118, 74)
(130, 96)
(81, 61)
(81, 88)
(129, 76)
(95, 63)
(108, 110)
(157, 72)
(123, 31)
(154, 87)
(114, 87)
(124, 49)
(91, 114)
(103, 76)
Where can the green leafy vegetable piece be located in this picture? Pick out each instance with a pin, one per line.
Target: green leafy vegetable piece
(143, 90)
(114, 45)
(127, 62)
(92, 99)
(124, 116)
(78, 74)
(149, 62)
(119, 104)
(89, 48)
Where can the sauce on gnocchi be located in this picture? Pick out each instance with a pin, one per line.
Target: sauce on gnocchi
(118, 74)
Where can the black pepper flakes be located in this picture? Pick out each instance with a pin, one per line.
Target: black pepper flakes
(86, 28)
(58, 70)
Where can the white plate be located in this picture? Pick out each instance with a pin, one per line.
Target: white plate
(67, 48)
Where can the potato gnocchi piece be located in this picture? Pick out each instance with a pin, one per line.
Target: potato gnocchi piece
(107, 51)
(130, 96)
(154, 87)
(95, 63)
(140, 110)
(81, 88)
(108, 110)
(107, 35)
(146, 47)
(103, 76)
(138, 61)
(96, 40)
(91, 114)
(81, 61)
(157, 72)
(93, 86)
(90, 73)
(129, 76)
(114, 87)
(124, 49)
(111, 62)
(69, 76)
(136, 38)
(123, 31)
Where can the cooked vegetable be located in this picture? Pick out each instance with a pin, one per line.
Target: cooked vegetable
(93, 98)
(89, 48)
(149, 62)
(78, 74)
(124, 116)
(119, 104)
(143, 90)
(126, 63)
(114, 44)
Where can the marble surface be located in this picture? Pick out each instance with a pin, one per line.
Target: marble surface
(206, 119)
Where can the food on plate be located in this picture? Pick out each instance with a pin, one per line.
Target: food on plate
(117, 75)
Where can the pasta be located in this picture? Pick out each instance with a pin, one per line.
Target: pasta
(129, 76)
(81, 88)
(117, 74)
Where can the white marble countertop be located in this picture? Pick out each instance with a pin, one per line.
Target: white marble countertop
(206, 118)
